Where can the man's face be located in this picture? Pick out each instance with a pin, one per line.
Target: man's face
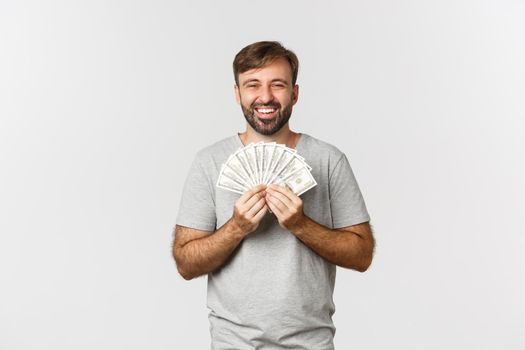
(266, 96)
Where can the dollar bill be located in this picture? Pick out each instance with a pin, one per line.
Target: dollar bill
(259, 149)
(283, 162)
(293, 166)
(300, 181)
(273, 162)
(237, 166)
(241, 157)
(229, 184)
(249, 152)
(268, 151)
(232, 174)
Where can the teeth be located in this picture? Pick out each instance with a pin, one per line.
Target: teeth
(265, 110)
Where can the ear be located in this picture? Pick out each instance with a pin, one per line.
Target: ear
(237, 94)
(295, 93)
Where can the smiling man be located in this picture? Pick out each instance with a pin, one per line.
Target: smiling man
(270, 255)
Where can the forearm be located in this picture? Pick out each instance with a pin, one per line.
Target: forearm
(340, 247)
(203, 255)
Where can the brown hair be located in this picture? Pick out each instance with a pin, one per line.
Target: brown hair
(259, 54)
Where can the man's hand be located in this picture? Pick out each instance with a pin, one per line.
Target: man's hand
(249, 209)
(200, 252)
(286, 205)
(349, 247)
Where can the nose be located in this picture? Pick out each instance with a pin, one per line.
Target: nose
(266, 95)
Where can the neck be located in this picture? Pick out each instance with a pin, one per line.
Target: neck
(284, 136)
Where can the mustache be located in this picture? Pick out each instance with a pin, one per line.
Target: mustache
(266, 105)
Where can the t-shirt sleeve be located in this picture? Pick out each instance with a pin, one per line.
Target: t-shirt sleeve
(197, 204)
(346, 201)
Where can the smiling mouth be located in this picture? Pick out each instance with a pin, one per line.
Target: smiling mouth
(266, 112)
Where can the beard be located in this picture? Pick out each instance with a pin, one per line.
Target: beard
(267, 127)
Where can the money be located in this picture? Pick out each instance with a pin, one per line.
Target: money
(230, 184)
(300, 181)
(240, 157)
(265, 163)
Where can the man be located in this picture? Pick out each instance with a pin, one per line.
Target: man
(270, 255)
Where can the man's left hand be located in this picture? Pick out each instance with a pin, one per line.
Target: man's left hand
(286, 205)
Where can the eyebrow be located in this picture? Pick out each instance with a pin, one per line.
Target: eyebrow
(258, 81)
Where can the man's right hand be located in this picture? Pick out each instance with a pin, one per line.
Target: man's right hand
(249, 209)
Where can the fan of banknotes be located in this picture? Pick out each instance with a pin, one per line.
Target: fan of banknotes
(265, 163)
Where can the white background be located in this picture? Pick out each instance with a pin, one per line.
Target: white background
(103, 105)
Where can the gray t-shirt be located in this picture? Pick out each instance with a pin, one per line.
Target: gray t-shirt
(274, 292)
